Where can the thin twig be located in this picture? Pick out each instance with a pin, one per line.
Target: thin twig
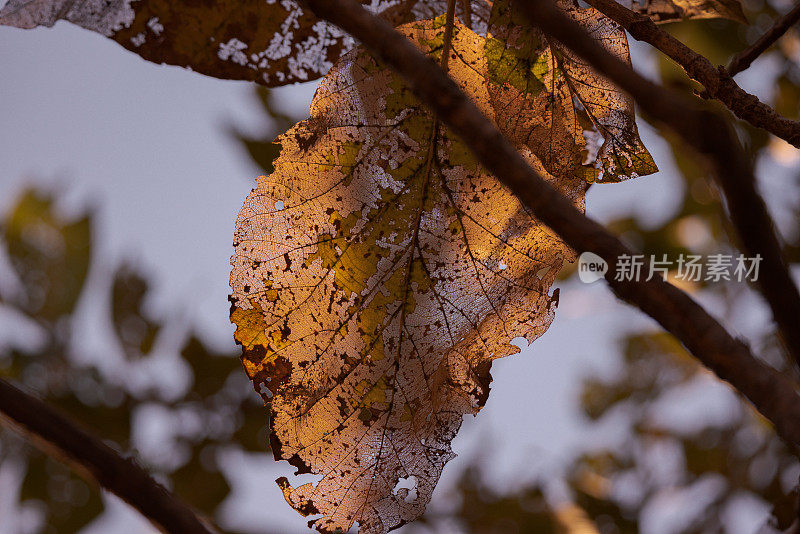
(450, 22)
(466, 13)
(119, 475)
(712, 137)
(717, 82)
(745, 58)
(772, 394)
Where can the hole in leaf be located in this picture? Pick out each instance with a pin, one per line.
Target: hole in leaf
(543, 271)
(264, 390)
(406, 488)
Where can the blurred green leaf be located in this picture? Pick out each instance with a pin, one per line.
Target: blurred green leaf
(69, 503)
(200, 481)
(135, 330)
(483, 511)
(50, 255)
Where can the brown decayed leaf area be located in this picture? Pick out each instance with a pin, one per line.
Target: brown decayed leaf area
(271, 42)
(378, 272)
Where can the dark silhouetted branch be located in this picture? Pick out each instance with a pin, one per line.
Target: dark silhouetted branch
(711, 136)
(119, 475)
(467, 12)
(745, 58)
(717, 82)
(772, 394)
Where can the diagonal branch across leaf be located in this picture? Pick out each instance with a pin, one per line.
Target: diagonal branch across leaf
(378, 272)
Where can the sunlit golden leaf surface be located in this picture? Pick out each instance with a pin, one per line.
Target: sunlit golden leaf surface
(377, 273)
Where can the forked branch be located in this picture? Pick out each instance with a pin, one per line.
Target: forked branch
(711, 136)
(745, 58)
(773, 395)
(717, 82)
(119, 475)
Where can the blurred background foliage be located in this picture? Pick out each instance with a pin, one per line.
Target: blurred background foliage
(715, 465)
(51, 258)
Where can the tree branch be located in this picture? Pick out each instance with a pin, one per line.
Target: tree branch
(773, 395)
(745, 58)
(711, 136)
(717, 82)
(466, 7)
(119, 475)
(447, 39)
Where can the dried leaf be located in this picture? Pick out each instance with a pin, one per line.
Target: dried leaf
(549, 100)
(377, 274)
(270, 42)
(675, 10)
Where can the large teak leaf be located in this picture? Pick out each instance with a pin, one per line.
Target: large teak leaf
(377, 273)
(272, 42)
(549, 100)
